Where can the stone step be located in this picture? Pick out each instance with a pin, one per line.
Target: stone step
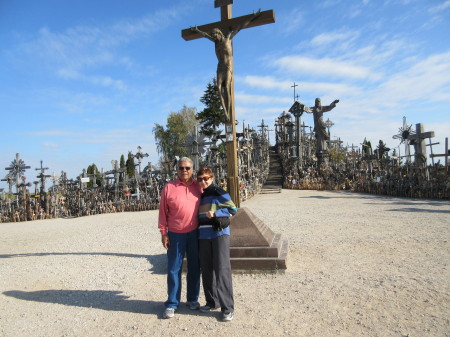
(262, 264)
(271, 191)
(274, 181)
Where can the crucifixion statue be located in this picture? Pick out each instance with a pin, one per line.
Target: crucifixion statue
(222, 33)
(224, 52)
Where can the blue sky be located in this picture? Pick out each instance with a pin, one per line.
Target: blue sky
(83, 82)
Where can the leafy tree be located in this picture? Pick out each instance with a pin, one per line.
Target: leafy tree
(92, 170)
(213, 115)
(170, 141)
(337, 155)
(130, 165)
(367, 148)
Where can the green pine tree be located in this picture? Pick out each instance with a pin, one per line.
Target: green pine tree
(92, 169)
(130, 165)
(122, 161)
(213, 115)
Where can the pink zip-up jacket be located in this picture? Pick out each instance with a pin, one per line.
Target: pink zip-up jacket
(178, 208)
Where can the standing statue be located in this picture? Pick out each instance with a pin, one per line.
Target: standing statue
(224, 53)
(319, 125)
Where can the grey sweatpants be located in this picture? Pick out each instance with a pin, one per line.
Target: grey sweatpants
(216, 272)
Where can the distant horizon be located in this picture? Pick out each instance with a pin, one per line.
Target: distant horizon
(144, 163)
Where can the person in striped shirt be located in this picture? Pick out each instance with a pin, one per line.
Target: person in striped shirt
(215, 210)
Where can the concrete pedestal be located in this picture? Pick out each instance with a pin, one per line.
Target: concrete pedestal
(254, 246)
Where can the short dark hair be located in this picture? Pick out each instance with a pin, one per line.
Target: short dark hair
(205, 171)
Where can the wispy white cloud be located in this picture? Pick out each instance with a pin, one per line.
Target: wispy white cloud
(106, 137)
(315, 88)
(439, 8)
(107, 81)
(329, 3)
(266, 82)
(50, 147)
(428, 80)
(78, 103)
(323, 67)
(326, 39)
(79, 52)
(104, 81)
(53, 133)
(294, 19)
(261, 99)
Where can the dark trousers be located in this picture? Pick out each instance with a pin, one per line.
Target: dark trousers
(216, 272)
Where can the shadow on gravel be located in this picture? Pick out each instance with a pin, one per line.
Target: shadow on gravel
(343, 195)
(158, 262)
(316, 197)
(415, 202)
(418, 210)
(394, 200)
(98, 299)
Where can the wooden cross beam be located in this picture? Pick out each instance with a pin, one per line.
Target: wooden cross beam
(418, 140)
(222, 33)
(446, 154)
(264, 18)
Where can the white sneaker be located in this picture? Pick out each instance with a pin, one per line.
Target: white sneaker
(226, 317)
(169, 313)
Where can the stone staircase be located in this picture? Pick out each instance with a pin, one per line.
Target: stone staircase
(274, 182)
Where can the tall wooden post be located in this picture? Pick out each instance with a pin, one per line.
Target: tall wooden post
(226, 24)
(230, 129)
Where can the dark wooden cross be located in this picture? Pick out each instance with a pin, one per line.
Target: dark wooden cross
(10, 180)
(418, 140)
(42, 176)
(446, 154)
(297, 109)
(227, 24)
(293, 86)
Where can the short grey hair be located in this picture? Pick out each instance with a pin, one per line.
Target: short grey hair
(185, 159)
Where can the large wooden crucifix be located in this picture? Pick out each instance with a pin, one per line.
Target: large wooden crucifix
(222, 33)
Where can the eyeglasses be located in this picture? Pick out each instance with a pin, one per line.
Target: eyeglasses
(203, 178)
(182, 168)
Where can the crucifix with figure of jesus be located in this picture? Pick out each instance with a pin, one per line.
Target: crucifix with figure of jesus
(222, 33)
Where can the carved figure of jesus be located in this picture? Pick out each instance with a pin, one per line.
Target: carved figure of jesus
(224, 52)
(319, 125)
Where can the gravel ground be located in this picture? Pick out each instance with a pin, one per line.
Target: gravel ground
(358, 265)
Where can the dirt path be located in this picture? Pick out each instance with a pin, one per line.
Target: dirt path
(358, 265)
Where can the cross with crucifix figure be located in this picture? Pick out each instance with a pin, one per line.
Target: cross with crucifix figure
(420, 148)
(140, 155)
(222, 33)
